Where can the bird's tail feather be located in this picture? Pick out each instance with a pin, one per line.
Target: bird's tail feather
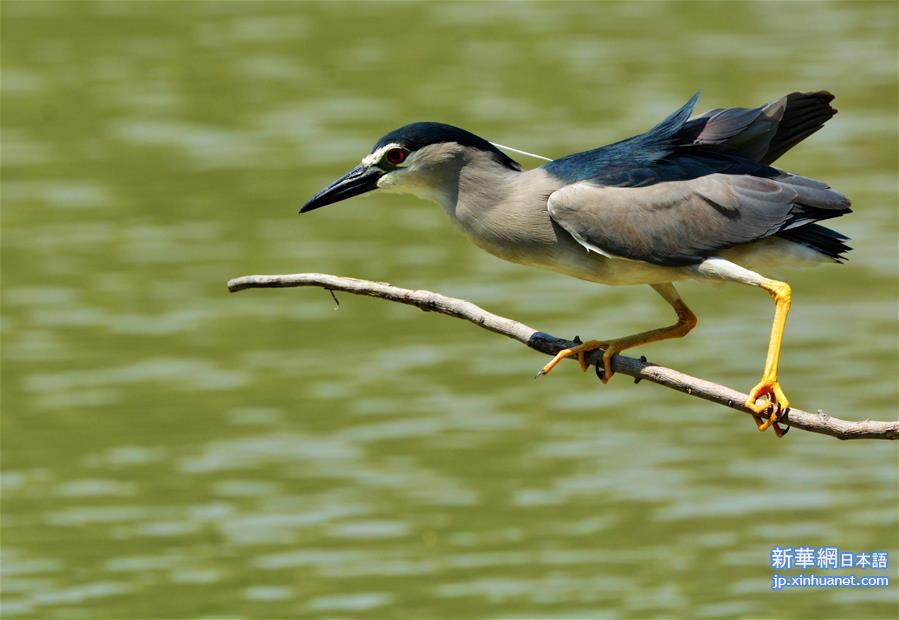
(760, 134)
(805, 114)
(819, 238)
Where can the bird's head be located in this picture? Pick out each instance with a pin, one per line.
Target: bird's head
(423, 159)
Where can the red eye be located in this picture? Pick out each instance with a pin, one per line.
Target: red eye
(396, 156)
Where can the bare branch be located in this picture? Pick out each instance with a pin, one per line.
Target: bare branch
(818, 422)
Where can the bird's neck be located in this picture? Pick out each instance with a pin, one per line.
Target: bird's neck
(480, 182)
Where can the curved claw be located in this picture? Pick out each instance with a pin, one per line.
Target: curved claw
(775, 404)
(580, 350)
(610, 351)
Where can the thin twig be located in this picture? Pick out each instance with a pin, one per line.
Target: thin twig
(639, 369)
(334, 297)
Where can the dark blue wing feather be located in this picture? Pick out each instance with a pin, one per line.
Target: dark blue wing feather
(729, 141)
(630, 161)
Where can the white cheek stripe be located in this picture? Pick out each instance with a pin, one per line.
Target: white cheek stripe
(373, 158)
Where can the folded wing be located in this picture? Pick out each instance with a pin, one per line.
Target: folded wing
(680, 223)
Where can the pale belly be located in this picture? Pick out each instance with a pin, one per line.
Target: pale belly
(572, 259)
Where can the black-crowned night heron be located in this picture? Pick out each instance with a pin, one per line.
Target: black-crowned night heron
(689, 199)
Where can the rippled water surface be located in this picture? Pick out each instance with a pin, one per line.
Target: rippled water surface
(170, 450)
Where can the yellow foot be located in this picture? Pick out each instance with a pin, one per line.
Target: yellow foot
(774, 404)
(610, 348)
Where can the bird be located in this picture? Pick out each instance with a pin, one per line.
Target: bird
(690, 199)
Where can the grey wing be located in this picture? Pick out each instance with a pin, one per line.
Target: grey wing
(683, 222)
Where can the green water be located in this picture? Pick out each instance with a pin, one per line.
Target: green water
(170, 450)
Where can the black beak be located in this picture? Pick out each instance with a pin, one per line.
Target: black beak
(357, 181)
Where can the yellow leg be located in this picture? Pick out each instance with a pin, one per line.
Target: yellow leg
(768, 388)
(686, 321)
